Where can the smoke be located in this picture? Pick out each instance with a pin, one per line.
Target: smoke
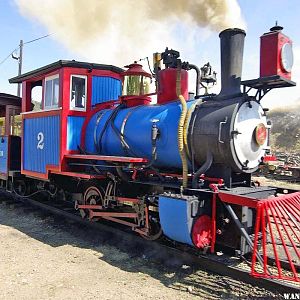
(119, 31)
(216, 14)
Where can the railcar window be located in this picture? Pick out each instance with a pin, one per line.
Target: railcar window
(16, 127)
(2, 125)
(78, 92)
(13, 120)
(51, 91)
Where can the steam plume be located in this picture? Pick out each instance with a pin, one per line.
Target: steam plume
(119, 31)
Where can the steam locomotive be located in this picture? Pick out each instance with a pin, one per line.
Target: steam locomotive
(180, 168)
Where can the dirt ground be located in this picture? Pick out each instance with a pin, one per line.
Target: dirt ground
(45, 259)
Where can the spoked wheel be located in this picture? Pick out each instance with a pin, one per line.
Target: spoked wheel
(52, 189)
(20, 187)
(61, 195)
(93, 195)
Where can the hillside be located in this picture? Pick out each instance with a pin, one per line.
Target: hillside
(285, 132)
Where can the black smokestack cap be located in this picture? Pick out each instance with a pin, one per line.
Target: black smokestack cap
(232, 48)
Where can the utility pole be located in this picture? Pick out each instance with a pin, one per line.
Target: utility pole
(20, 60)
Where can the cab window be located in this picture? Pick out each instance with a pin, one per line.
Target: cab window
(78, 92)
(51, 91)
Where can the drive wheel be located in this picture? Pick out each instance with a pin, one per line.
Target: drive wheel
(93, 195)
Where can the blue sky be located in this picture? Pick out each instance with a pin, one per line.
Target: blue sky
(259, 17)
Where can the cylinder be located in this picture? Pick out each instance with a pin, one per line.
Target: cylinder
(232, 48)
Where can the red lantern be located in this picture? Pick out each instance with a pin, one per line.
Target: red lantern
(276, 55)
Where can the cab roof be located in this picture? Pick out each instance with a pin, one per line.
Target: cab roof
(60, 64)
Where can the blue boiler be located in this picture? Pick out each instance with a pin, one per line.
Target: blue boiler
(135, 124)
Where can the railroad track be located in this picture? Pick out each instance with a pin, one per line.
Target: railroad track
(166, 253)
(281, 177)
(289, 178)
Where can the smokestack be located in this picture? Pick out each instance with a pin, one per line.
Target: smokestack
(232, 48)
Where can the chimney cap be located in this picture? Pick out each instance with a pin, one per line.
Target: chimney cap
(232, 30)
